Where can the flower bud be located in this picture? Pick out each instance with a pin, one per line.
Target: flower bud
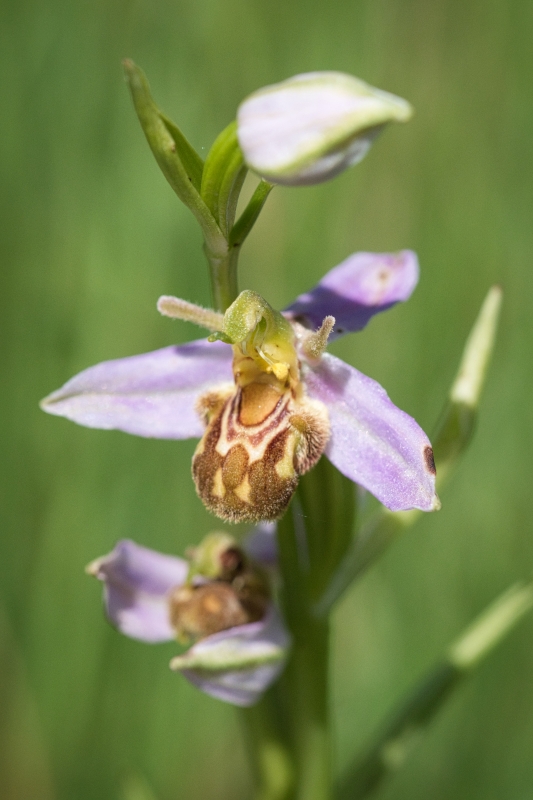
(469, 382)
(311, 127)
(459, 417)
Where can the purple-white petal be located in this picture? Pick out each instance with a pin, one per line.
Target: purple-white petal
(372, 441)
(361, 286)
(153, 394)
(239, 664)
(137, 581)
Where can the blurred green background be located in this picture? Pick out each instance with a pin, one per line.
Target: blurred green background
(92, 235)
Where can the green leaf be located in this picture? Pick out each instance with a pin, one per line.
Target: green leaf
(180, 164)
(249, 216)
(223, 176)
(191, 160)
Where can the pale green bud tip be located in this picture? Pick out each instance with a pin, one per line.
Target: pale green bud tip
(491, 626)
(311, 127)
(476, 356)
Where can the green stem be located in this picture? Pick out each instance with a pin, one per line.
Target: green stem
(223, 275)
(269, 747)
(393, 744)
(305, 680)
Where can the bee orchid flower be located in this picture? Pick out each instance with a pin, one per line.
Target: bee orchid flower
(241, 642)
(267, 400)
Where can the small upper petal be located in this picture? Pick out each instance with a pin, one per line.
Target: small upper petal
(153, 394)
(361, 286)
(372, 441)
(239, 664)
(137, 581)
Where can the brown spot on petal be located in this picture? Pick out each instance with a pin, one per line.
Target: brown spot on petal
(430, 461)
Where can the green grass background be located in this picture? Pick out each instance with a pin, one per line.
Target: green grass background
(92, 235)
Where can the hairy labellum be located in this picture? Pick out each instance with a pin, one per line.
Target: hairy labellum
(197, 611)
(258, 441)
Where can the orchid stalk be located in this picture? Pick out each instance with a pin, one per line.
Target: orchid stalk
(289, 437)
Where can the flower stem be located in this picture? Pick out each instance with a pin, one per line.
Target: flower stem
(223, 275)
(393, 744)
(307, 681)
(304, 684)
(269, 746)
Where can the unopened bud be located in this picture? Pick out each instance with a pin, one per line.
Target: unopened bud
(478, 350)
(459, 417)
(309, 128)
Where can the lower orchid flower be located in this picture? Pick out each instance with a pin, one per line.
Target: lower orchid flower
(267, 400)
(221, 599)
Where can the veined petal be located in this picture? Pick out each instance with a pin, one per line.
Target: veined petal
(372, 441)
(238, 664)
(361, 286)
(136, 584)
(153, 394)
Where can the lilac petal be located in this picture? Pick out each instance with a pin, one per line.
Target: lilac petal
(363, 285)
(153, 394)
(261, 545)
(137, 581)
(239, 664)
(372, 442)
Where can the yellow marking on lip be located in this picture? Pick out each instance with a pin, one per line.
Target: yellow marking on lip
(285, 466)
(218, 489)
(243, 491)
